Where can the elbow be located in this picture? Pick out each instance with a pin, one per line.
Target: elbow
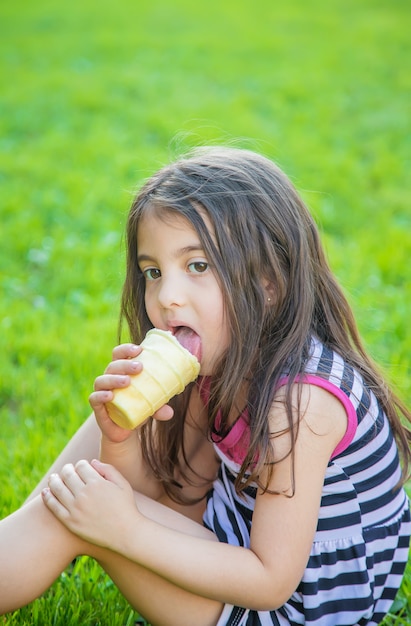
(271, 598)
(273, 590)
(273, 603)
(270, 585)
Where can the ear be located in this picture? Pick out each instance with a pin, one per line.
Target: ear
(269, 291)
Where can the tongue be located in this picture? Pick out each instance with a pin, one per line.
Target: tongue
(189, 340)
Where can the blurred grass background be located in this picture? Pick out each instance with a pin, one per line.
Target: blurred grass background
(95, 97)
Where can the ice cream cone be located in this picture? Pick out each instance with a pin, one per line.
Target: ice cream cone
(167, 369)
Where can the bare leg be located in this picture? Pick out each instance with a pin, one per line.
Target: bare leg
(85, 444)
(158, 601)
(35, 548)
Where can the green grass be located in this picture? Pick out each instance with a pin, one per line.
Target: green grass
(83, 595)
(95, 97)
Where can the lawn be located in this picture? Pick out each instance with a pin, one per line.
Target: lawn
(95, 97)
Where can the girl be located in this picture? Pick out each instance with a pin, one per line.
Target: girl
(269, 492)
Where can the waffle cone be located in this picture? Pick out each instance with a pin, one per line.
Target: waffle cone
(167, 369)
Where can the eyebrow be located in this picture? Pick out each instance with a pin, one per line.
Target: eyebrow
(179, 252)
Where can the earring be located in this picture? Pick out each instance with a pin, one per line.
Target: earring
(268, 299)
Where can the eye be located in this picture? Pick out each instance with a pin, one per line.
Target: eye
(198, 267)
(151, 273)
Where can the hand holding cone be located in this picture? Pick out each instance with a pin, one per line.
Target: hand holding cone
(167, 369)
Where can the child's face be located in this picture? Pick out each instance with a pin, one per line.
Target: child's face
(181, 286)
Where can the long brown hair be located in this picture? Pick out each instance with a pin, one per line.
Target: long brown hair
(262, 229)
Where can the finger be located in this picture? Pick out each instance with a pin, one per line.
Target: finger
(98, 399)
(109, 472)
(60, 491)
(124, 366)
(164, 413)
(53, 504)
(71, 478)
(98, 402)
(111, 381)
(126, 351)
(86, 471)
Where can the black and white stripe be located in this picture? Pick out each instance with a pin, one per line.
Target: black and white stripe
(361, 544)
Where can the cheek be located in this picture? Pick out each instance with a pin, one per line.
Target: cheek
(212, 302)
(220, 326)
(151, 309)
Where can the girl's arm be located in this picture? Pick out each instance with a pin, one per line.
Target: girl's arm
(118, 446)
(102, 438)
(122, 448)
(98, 504)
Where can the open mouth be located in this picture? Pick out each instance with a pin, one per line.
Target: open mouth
(188, 339)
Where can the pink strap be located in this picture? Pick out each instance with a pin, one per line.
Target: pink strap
(235, 444)
(237, 441)
(352, 421)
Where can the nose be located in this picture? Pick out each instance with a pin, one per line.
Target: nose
(172, 292)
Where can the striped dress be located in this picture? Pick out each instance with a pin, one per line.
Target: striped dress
(361, 543)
